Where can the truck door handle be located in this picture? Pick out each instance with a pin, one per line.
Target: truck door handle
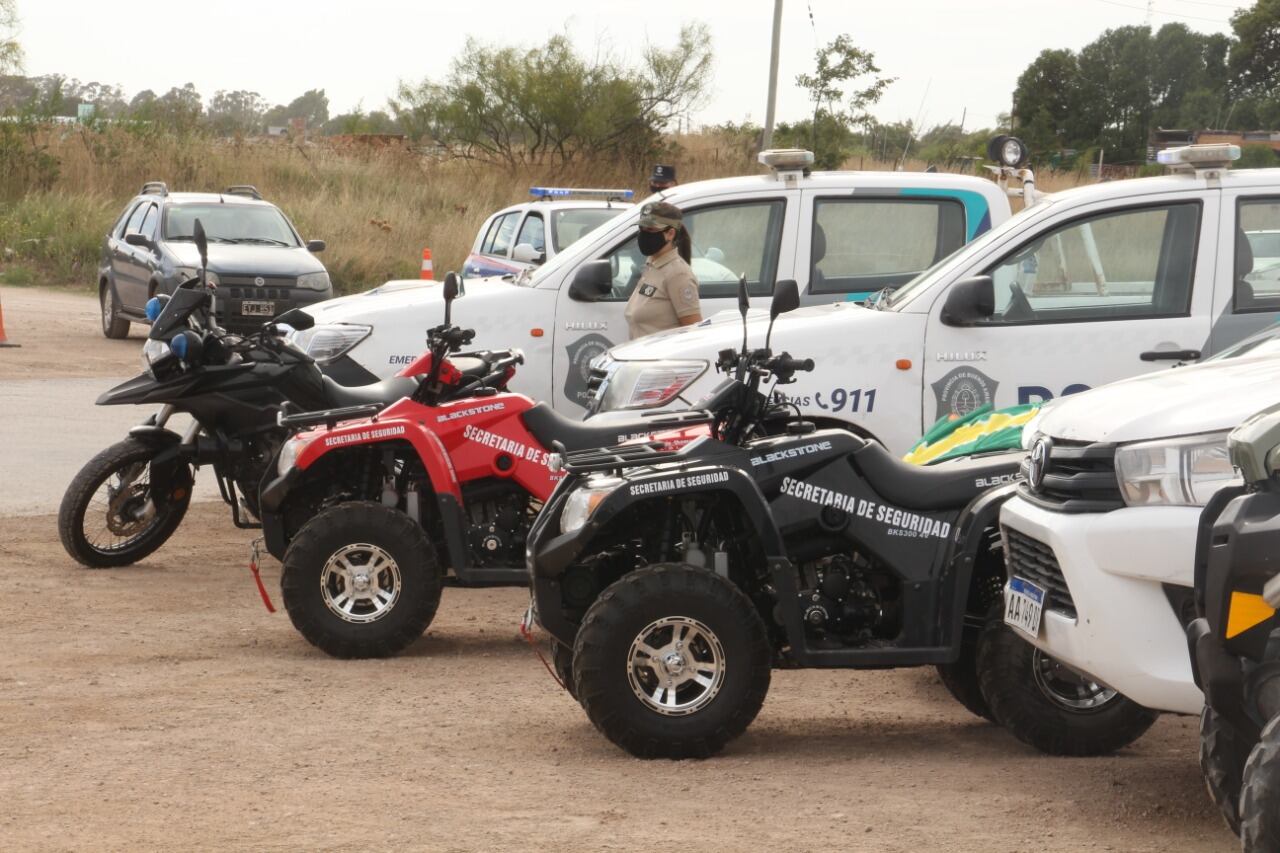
(1171, 355)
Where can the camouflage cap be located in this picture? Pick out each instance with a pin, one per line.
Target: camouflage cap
(660, 214)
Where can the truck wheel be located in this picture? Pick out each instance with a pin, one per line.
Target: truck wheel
(562, 662)
(109, 517)
(1223, 753)
(113, 326)
(1260, 796)
(360, 581)
(672, 661)
(1047, 706)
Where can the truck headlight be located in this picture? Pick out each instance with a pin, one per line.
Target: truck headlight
(314, 281)
(289, 454)
(584, 500)
(330, 341)
(1184, 471)
(648, 384)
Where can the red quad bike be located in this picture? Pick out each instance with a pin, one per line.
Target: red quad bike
(372, 514)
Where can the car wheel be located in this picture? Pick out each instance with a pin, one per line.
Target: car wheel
(113, 326)
(1260, 795)
(672, 661)
(1047, 706)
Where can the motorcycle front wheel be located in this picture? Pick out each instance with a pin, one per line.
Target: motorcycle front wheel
(110, 516)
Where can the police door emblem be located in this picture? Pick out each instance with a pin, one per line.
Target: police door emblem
(962, 390)
(1037, 463)
(581, 353)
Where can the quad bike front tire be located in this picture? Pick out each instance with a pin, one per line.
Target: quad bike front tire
(1223, 753)
(1260, 794)
(114, 326)
(124, 524)
(1048, 707)
(672, 661)
(361, 580)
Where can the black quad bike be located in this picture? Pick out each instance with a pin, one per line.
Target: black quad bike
(130, 498)
(673, 582)
(1235, 642)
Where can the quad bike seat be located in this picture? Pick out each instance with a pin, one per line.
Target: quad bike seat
(469, 365)
(929, 487)
(385, 392)
(548, 425)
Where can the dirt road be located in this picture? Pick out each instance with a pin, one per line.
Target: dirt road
(161, 707)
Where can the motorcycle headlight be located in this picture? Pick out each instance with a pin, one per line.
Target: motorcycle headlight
(314, 281)
(584, 500)
(289, 454)
(153, 351)
(1184, 471)
(327, 342)
(648, 385)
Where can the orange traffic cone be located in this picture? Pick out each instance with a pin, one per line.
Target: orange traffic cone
(4, 342)
(426, 264)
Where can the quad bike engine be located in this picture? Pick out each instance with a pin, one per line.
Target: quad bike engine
(848, 601)
(499, 520)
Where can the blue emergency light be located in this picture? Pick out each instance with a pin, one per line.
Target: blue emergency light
(564, 192)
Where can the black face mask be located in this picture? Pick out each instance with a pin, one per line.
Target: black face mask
(651, 242)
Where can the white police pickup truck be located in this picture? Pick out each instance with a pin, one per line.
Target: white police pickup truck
(843, 235)
(1082, 288)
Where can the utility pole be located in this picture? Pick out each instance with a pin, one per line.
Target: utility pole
(1151, 4)
(767, 139)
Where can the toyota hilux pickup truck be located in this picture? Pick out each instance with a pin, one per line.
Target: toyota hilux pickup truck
(1082, 288)
(842, 235)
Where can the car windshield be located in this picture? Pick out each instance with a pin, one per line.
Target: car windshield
(1264, 343)
(904, 294)
(568, 226)
(575, 253)
(230, 223)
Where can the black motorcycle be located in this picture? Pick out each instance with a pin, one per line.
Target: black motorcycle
(673, 582)
(130, 498)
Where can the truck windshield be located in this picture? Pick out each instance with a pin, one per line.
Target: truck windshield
(921, 283)
(570, 226)
(576, 253)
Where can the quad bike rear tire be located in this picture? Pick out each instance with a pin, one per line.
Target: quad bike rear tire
(1260, 794)
(693, 692)
(129, 459)
(361, 580)
(1223, 753)
(1032, 696)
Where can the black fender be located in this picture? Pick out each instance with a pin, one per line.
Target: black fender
(962, 552)
(171, 457)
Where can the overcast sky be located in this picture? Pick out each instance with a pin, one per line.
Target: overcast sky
(948, 56)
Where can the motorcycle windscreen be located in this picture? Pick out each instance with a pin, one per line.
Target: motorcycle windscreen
(173, 318)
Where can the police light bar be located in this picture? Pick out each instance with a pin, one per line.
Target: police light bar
(786, 158)
(564, 192)
(1215, 156)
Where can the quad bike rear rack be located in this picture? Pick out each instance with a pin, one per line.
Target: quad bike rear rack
(329, 417)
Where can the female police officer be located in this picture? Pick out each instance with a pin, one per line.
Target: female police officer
(667, 294)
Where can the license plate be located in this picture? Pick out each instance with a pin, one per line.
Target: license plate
(258, 309)
(1023, 606)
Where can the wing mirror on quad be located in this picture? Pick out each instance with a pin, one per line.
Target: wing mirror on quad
(202, 246)
(969, 301)
(452, 290)
(593, 280)
(296, 318)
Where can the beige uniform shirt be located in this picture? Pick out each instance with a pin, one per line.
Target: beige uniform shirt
(667, 291)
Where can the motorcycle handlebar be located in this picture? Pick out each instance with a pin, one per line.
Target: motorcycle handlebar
(786, 364)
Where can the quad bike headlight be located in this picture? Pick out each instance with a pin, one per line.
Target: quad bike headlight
(648, 384)
(1184, 471)
(289, 454)
(584, 500)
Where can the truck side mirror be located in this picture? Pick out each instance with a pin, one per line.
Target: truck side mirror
(133, 238)
(315, 246)
(786, 297)
(525, 253)
(969, 301)
(593, 280)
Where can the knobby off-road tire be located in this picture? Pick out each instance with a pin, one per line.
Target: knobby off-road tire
(1009, 671)
(1223, 753)
(88, 501)
(961, 678)
(562, 663)
(361, 580)
(113, 325)
(720, 668)
(1260, 796)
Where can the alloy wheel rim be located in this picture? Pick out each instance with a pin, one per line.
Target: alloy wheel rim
(1068, 688)
(676, 666)
(360, 583)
